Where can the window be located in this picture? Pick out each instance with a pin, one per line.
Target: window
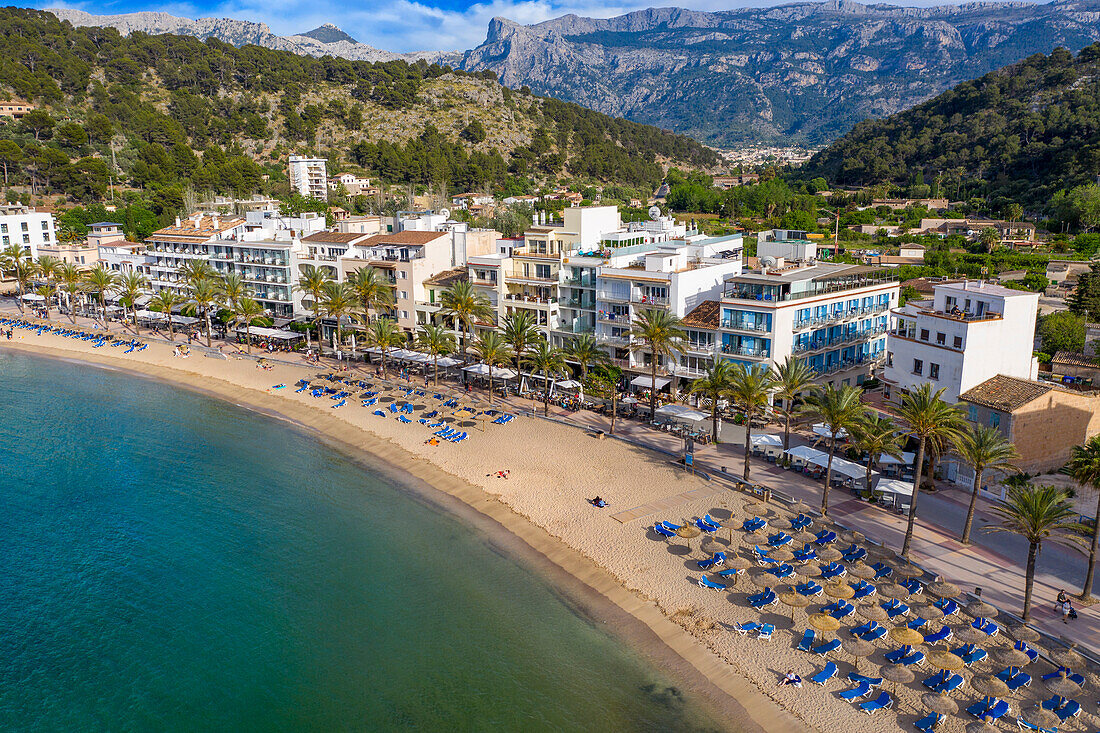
(958, 342)
(941, 338)
(23, 225)
(45, 225)
(924, 334)
(7, 241)
(933, 371)
(542, 271)
(4, 228)
(404, 314)
(994, 419)
(918, 366)
(973, 413)
(26, 239)
(889, 358)
(402, 275)
(402, 294)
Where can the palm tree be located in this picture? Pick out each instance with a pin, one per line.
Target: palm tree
(312, 282)
(384, 334)
(25, 271)
(72, 280)
(338, 302)
(1085, 468)
(163, 302)
(715, 384)
(876, 436)
(130, 288)
(490, 349)
(1037, 513)
(233, 289)
(586, 351)
(519, 331)
(984, 448)
(929, 419)
(100, 282)
(464, 304)
(549, 360)
(208, 294)
(749, 389)
(436, 341)
(11, 259)
(659, 331)
(841, 409)
(371, 289)
(195, 271)
(247, 310)
(792, 378)
(48, 267)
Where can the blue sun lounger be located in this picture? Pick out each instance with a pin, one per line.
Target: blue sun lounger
(843, 610)
(705, 583)
(278, 386)
(393, 407)
(826, 648)
(809, 589)
(379, 413)
(749, 627)
(1024, 725)
(825, 674)
(1073, 677)
(766, 597)
(729, 572)
(833, 570)
(858, 692)
(663, 532)
(780, 539)
(825, 537)
(805, 554)
(458, 437)
(670, 525)
(304, 386)
(913, 586)
(807, 641)
(753, 524)
(948, 605)
(403, 419)
(882, 570)
(894, 608)
(1014, 677)
(407, 408)
(988, 707)
(766, 632)
(1023, 647)
(430, 415)
(781, 571)
(896, 655)
(986, 626)
(863, 589)
(881, 702)
(929, 722)
(717, 558)
(704, 526)
(943, 634)
(341, 403)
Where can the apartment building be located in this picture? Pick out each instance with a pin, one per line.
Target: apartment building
(26, 227)
(969, 332)
(308, 176)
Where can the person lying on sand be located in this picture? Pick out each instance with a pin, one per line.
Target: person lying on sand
(791, 679)
(431, 441)
(500, 474)
(597, 502)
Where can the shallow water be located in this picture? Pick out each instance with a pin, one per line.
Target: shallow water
(171, 562)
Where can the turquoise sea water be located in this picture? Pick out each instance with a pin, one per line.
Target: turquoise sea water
(171, 562)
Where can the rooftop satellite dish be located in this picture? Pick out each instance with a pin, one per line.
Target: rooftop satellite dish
(445, 213)
(767, 262)
(654, 213)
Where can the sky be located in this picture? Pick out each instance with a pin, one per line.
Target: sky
(402, 25)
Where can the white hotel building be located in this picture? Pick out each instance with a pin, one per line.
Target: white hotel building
(969, 332)
(23, 226)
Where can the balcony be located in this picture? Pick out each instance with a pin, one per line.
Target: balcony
(772, 293)
(484, 283)
(698, 347)
(621, 319)
(583, 303)
(743, 351)
(732, 325)
(530, 301)
(865, 362)
(606, 338)
(642, 299)
(609, 297)
(580, 282)
(848, 338)
(840, 316)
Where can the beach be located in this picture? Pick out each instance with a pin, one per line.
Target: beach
(552, 469)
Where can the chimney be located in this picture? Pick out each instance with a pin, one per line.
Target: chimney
(215, 218)
(177, 221)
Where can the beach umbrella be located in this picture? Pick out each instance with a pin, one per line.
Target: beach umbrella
(893, 590)
(908, 570)
(1007, 656)
(688, 533)
(899, 674)
(782, 555)
(757, 508)
(829, 554)
(928, 613)
(987, 684)
(980, 726)
(906, 636)
(940, 659)
(969, 635)
(852, 536)
(940, 588)
(857, 648)
(1062, 685)
(839, 590)
(794, 600)
(876, 613)
(738, 563)
(824, 623)
(882, 552)
(799, 507)
(861, 570)
(780, 523)
(729, 523)
(754, 538)
(764, 579)
(808, 570)
(1042, 718)
(939, 703)
(1067, 658)
(1023, 632)
(803, 536)
(980, 609)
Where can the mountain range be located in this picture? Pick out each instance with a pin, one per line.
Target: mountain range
(800, 73)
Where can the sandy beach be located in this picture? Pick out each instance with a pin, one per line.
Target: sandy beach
(552, 469)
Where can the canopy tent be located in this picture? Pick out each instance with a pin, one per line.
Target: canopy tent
(906, 459)
(823, 430)
(160, 317)
(680, 412)
(569, 384)
(900, 492)
(647, 382)
(445, 361)
(816, 457)
(848, 468)
(482, 370)
(33, 296)
(270, 333)
(767, 439)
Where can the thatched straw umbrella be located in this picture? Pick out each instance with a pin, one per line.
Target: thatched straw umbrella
(1007, 656)
(764, 579)
(781, 555)
(1062, 685)
(906, 636)
(780, 523)
(987, 684)
(1042, 718)
(840, 590)
(980, 609)
(829, 554)
(861, 570)
(808, 570)
(939, 703)
(824, 623)
(899, 674)
(969, 635)
(1068, 658)
(875, 613)
(857, 648)
(928, 613)
(942, 589)
(945, 660)
(1023, 632)
(850, 535)
(803, 536)
(980, 726)
(908, 570)
(893, 590)
(688, 533)
(794, 600)
(799, 507)
(881, 552)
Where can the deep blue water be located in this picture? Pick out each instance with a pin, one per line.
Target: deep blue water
(171, 562)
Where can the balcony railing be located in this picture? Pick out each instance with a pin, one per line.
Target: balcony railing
(616, 340)
(846, 364)
(580, 282)
(817, 345)
(743, 351)
(579, 303)
(613, 297)
(648, 299)
(529, 299)
(735, 325)
(698, 347)
(841, 316)
(745, 291)
(619, 318)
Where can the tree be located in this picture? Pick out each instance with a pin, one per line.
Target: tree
(586, 351)
(715, 384)
(519, 331)
(659, 331)
(841, 409)
(929, 419)
(1062, 331)
(985, 448)
(1037, 513)
(338, 302)
(371, 289)
(792, 378)
(1085, 468)
(246, 311)
(549, 361)
(233, 289)
(435, 341)
(989, 238)
(490, 349)
(462, 303)
(131, 287)
(207, 294)
(163, 302)
(312, 282)
(72, 282)
(1085, 202)
(876, 436)
(1014, 212)
(39, 123)
(48, 268)
(100, 282)
(749, 389)
(10, 156)
(384, 334)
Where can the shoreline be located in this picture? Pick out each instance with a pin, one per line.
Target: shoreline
(589, 589)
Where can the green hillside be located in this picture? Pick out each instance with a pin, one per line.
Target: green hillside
(1022, 133)
(181, 114)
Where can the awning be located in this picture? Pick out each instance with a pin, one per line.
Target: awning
(905, 460)
(269, 333)
(33, 296)
(767, 439)
(482, 370)
(894, 486)
(647, 382)
(816, 457)
(823, 430)
(680, 412)
(569, 384)
(446, 361)
(176, 320)
(807, 454)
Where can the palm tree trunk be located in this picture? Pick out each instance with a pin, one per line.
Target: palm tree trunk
(435, 369)
(748, 444)
(103, 305)
(490, 384)
(546, 395)
(614, 406)
(714, 418)
(170, 334)
(965, 539)
(787, 429)
(1029, 579)
(383, 362)
(248, 336)
(828, 476)
(207, 314)
(870, 470)
(133, 314)
(1086, 590)
(913, 500)
(653, 391)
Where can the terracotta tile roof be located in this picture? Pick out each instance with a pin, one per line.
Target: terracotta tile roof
(335, 237)
(406, 237)
(1005, 393)
(1069, 358)
(704, 315)
(448, 277)
(202, 228)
